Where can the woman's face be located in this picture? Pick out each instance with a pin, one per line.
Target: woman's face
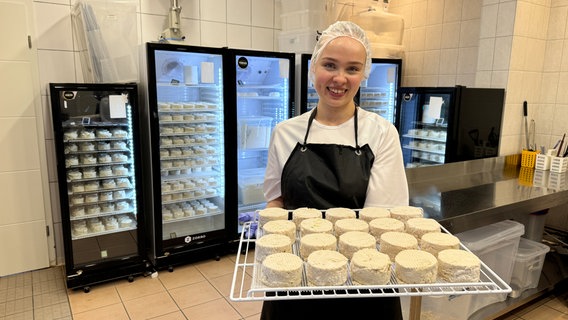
(339, 72)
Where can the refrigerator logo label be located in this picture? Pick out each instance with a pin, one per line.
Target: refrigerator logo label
(188, 239)
(242, 63)
(69, 95)
(407, 96)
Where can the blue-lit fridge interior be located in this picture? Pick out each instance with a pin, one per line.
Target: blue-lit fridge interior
(264, 94)
(186, 121)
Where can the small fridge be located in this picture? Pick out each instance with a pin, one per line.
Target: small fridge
(99, 173)
(185, 153)
(447, 124)
(262, 95)
(376, 94)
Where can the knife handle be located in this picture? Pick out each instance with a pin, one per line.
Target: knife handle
(525, 109)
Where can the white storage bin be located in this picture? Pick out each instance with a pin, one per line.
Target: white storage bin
(250, 186)
(297, 5)
(559, 164)
(528, 266)
(542, 162)
(303, 19)
(254, 132)
(298, 41)
(496, 245)
(439, 307)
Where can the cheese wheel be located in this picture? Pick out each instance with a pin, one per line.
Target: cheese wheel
(301, 214)
(285, 227)
(334, 214)
(404, 213)
(316, 225)
(353, 241)
(381, 225)
(393, 242)
(326, 268)
(370, 213)
(435, 242)
(456, 265)
(281, 270)
(345, 225)
(316, 241)
(415, 266)
(272, 243)
(420, 226)
(370, 267)
(271, 214)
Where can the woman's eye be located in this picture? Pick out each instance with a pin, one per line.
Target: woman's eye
(329, 66)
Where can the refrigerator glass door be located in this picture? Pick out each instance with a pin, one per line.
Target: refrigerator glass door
(378, 93)
(98, 186)
(189, 103)
(263, 85)
(424, 126)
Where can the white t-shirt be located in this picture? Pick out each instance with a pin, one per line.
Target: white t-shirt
(387, 184)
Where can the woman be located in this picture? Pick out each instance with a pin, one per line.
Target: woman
(337, 155)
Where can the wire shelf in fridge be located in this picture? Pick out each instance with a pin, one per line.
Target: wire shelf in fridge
(245, 289)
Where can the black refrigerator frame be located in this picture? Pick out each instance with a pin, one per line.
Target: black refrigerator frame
(181, 250)
(231, 118)
(129, 266)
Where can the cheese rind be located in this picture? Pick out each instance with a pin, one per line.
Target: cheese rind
(381, 225)
(271, 214)
(458, 266)
(270, 244)
(420, 226)
(370, 213)
(393, 242)
(326, 268)
(281, 270)
(316, 225)
(415, 266)
(316, 241)
(334, 214)
(345, 225)
(404, 213)
(353, 241)
(302, 214)
(285, 227)
(435, 242)
(370, 267)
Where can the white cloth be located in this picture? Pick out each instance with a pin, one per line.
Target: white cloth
(387, 186)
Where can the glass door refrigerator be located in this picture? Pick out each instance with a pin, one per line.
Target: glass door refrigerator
(185, 142)
(376, 94)
(98, 164)
(263, 95)
(448, 124)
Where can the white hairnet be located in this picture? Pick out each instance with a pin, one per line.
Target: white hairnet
(341, 29)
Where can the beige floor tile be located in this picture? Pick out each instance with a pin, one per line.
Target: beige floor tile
(150, 306)
(194, 294)
(247, 308)
(544, 312)
(99, 296)
(213, 310)
(114, 311)
(558, 304)
(253, 317)
(139, 288)
(212, 268)
(181, 276)
(178, 315)
(223, 283)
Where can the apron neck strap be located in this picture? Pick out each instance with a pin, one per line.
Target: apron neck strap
(313, 116)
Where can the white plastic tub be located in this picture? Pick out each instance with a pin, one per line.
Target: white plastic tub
(528, 266)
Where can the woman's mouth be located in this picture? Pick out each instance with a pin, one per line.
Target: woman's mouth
(335, 91)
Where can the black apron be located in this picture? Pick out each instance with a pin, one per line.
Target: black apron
(326, 176)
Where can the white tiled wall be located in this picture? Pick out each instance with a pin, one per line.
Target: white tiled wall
(520, 45)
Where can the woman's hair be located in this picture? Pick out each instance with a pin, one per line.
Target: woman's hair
(341, 29)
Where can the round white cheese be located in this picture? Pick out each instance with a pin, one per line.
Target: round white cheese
(404, 213)
(326, 268)
(316, 225)
(353, 241)
(415, 266)
(381, 225)
(316, 241)
(345, 225)
(281, 270)
(272, 243)
(393, 242)
(285, 227)
(301, 214)
(435, 242)
(420, 226)
(370, 267)
(271, 214)
(458, 266)
(370, 213)
(334, 214)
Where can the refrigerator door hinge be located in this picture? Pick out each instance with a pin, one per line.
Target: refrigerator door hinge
(29, 41)
(47, 231)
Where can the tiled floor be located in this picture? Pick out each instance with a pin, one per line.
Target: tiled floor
(197, 291)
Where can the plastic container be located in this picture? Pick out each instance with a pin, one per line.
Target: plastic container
(558, 164)
(250, 186)
(556, 181)
(528, 266)
(528, 158)
(496, 245)
(303, 19)
(298, 41)
(542, 162)
(254, 132)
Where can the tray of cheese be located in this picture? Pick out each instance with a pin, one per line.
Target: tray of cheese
(345, 253)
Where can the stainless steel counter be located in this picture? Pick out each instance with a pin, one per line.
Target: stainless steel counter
(470, 194)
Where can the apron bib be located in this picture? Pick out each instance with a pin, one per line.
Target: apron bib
(323, 176)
